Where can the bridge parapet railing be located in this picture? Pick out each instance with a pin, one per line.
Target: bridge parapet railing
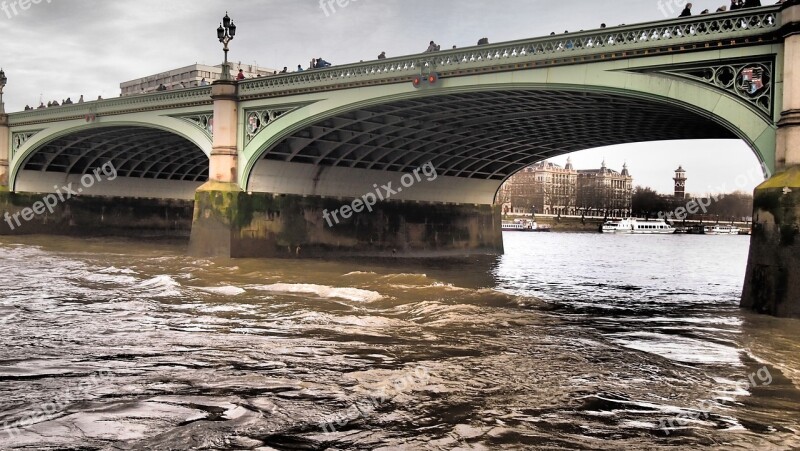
(728, 26)
(733, 25)
(126, 104)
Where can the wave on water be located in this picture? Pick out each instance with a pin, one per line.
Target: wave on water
(407, 278)
(115, 270)
(160, 286)
(322, 291)
(224, 290)
(680, 349)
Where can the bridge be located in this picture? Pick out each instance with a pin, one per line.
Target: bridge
(267, 161)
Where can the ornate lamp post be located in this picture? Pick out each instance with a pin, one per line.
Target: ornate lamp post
(3, 81)
(226, 32)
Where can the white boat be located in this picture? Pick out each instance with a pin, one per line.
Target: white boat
(722, 230)
(638, 227)
(620, 226)
(524, 226)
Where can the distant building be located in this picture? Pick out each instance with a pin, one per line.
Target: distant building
(547, 188)
(189, 76)
(605, 192)
(680, 184)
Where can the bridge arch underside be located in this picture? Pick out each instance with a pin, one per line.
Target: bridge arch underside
(129, 161)
(474, 140)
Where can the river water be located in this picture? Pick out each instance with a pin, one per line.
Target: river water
(569, 341)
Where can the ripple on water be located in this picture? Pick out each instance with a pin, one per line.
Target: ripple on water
(680, 349)
(321, 291)
(162, 286)
(223, 291)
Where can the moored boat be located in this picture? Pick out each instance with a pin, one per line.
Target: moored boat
(524, 226)
(638, 227)
(722, 230)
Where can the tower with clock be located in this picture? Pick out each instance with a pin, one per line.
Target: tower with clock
(680, 183)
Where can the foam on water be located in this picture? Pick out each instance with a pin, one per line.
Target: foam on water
(321, 291)
(160, 286)
(111, 278)
(224, 290)
(681, 349)
(115, 270)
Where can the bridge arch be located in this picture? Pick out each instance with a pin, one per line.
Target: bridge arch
(479, 130)
(162, 158)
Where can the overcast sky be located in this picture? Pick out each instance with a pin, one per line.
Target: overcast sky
(65, 48)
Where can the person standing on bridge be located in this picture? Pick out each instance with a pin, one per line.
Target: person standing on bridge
(241, 75)
(382, 56)
(752, 3)
(686, 11)
(299, 68)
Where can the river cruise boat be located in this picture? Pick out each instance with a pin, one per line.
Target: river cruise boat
(638, 227)
(722, 230)
(524, 226)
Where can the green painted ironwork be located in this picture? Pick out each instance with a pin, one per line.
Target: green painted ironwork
(203, 121)
(119, 105)
(19, 139)
(739, 24)
(258, 119)
(516, 55)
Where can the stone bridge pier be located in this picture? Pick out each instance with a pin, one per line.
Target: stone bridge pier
(229, 222)
(5, 139)
(772, 283)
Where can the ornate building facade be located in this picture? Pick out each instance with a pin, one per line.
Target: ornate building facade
(549, 189)
(545, 188)
(605, 192)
